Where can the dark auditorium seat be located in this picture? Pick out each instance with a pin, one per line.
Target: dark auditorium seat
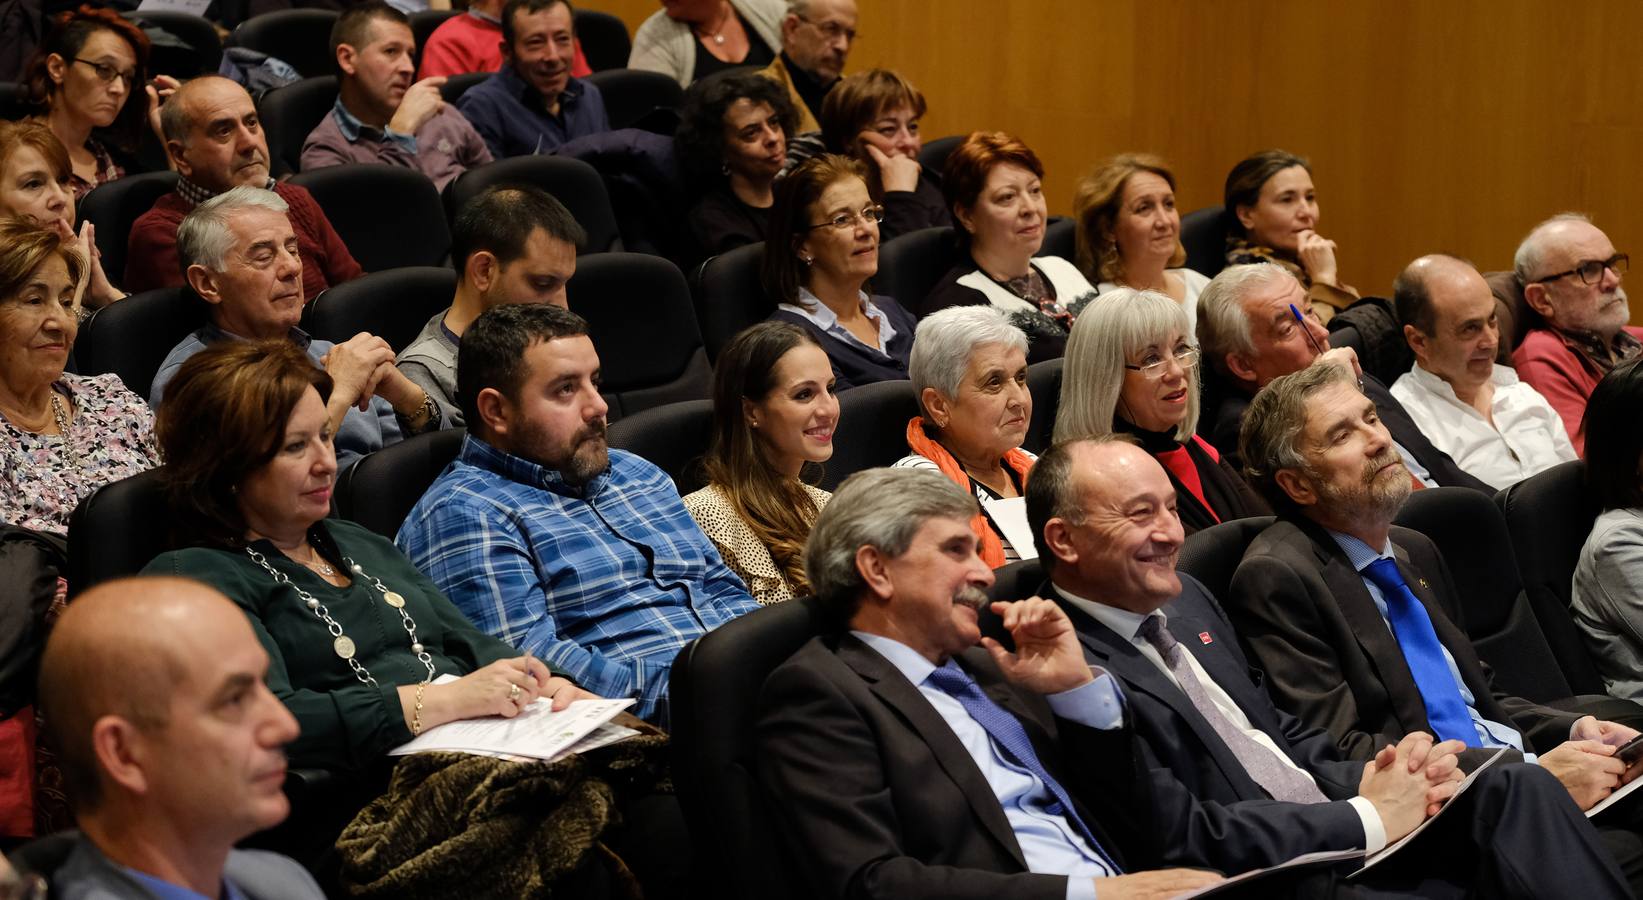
(604, 39)
(379, 490)
(195, 31)
(1212, 555)
(1514, 313)
(640, 317)
(729, 297)
(1060, 239)
(1017, 581)
(457, 85)
(14, 101)
(114, 207)
(633, 94)
(872, 431)
(393, 304)
(133, 337)
(301, 37)
(116, 530)
(911, 264)
(1204, 235)
(389, 217)
(1044, 383)
(673, 437)
(289, 113)
(714, 689)
(932, 156)
(423, 24)
(571, 181)
(43, 855)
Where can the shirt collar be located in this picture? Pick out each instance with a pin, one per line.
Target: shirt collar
(165, 890)
(348, 123)
(909, 662)
(209, 333)
(1358, 553)
(811, 307)
(1123, 622)
(476, 452)
(194, 195)
(1502, 376)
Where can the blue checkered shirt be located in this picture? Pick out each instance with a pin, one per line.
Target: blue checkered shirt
(607, 581)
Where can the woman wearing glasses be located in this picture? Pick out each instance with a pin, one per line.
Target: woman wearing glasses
(822, 248)
(993, 184)
(1132, 368)
(89, 84)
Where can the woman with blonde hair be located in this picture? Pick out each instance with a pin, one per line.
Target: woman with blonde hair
(1129, 231)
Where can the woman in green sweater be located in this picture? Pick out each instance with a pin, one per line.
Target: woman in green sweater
(355, 634)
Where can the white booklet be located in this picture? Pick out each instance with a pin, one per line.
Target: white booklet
(537, 732)
(1397, 845)
(1616, 797)
(1010, 515)
(1305, 859)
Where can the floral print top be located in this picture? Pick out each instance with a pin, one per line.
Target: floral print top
(107, 170)
(110, 437)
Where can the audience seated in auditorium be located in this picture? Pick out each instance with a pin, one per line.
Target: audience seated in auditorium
(34, 186)
(380, 116)
(1129, 231)
(969, 370)
(816, 40)
(533, 104)
(243, 259)
(1494, 426)
(65, 435)
(1255, 323)
(1132, 368)
(472, 42)
(1607, 597)
(822, 249)
(732, 143)
(249, 495)
(170, 743)
(1570, 275)
(993, 183)
(874, 116)
(1272, 210)
(1103, 514)
(89, 82)
(509, 245)
(774, 411)
(1356, 633)
(216, 142)
(542, 536)
(689, 40)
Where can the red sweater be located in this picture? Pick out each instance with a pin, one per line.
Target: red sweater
(151, 257)
(467, 43)
(1547, 364)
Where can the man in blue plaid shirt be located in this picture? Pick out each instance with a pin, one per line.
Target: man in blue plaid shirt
(549, 540)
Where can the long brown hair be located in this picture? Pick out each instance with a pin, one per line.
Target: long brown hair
(782, 273)
(1095, 208)
(777, 509)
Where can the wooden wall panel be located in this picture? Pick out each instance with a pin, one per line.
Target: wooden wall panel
(1449, 126)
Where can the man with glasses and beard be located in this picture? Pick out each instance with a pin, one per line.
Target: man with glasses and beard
(549, 540)
(1570, 275)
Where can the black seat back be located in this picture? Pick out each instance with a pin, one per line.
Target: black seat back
(457, 85)
(1017, 581)
(729, 297)
(673, 436)
(133, 337)
(912, 263)
(1044, 383)
(1060, 238)
(571, 181)
(117, 529)
(289, 113)
(604, 39)
(195, 31)
(379, 490)
(1548, 517)
(388, 216)
(423, 24)
(1204, 235)
(393, 305)
(43, 855)
(932, 156)
(632, 94)
(301, 37)
(872, 429)
(641, 321)
(112, 208)
(714, 690)
(1212, 555)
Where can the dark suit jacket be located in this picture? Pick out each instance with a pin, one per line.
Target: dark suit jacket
(1229, 418)
(1306, 617)
(878, 798)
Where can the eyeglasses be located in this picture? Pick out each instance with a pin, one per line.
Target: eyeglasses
(1186, 358)
(1591, 270)
(832, 30)
(107, 73)
(873, 214)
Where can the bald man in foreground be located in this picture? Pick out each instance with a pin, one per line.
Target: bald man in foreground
(171, 746)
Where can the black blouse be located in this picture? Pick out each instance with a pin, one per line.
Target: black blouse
(1223, 494)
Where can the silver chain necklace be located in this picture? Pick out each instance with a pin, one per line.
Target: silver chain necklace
(342, 644)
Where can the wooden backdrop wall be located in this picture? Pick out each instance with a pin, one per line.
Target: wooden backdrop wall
(1450, 126)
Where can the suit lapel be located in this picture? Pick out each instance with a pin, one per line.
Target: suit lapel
(890, 686)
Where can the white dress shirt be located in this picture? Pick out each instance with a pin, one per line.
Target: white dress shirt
(818, 314)
(1527, 435)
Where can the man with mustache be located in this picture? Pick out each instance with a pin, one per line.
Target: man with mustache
(1477, 411)
(1351, 617)
(380, 116)
(532, 104)
(171, 745)
(1570, 275)
(549, 540)
(216, 142)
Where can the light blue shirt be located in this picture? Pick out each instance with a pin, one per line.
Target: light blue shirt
(351, 128)
(811, 308)
(1490, 734)
(1050, 844)
(165, 890)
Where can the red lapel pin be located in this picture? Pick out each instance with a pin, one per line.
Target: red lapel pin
(1204, 636)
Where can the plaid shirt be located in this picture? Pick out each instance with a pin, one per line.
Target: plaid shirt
(607, 581)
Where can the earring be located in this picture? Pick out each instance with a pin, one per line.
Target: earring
(724, 168)
(806, 260)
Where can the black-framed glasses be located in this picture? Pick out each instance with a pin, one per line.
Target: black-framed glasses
(1185, 357)
(833, 30)
(1591, 270)
(107, 73)
(873, 214)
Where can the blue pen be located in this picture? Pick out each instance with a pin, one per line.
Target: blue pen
(1312, 340)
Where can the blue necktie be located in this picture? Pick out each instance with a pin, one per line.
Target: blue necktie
(1011, 738)
(1445, 710)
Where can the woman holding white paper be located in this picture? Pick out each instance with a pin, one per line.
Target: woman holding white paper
(969, 370)
(356, 636)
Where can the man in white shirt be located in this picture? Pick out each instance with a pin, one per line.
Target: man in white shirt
(1474, 409)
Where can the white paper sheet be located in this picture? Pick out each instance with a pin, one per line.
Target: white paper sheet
(1010, 515)
(1397, 845)
(1237, 881)
(192, 7)
(537, 732)
(1614, 798)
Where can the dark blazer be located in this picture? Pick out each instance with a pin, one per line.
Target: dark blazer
(1229, 418)
(877, 797)
(853, 365)
(1304, 614)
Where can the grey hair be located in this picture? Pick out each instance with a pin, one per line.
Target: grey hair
(1117, 324)
(1527, 260)
(1270, 436)
(881, 508)
(800, 8)
(204, 237)
(1050, 491)
(1223, 327)
(945, 340)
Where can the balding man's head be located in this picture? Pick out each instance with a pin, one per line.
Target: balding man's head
(1448, 317)
(214, 136)
(1571, 276)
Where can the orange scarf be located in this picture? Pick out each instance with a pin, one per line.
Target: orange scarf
(992, 548)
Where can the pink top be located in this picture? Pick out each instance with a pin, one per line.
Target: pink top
(1550, 366)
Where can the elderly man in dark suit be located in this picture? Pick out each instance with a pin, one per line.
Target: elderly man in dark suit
(1103, 517)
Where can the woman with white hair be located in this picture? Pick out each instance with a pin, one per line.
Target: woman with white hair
(969, 369)
(1132, 368)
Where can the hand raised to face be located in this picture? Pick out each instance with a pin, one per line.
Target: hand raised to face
(1047, 657)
